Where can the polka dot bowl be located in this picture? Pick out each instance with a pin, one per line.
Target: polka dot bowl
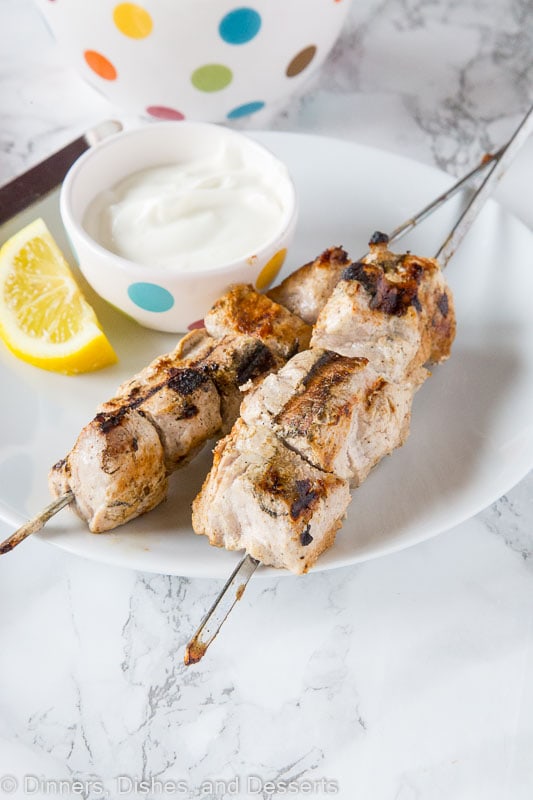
(209, 60)
(172, 298)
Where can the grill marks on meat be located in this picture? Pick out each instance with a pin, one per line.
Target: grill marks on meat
(178, 402)
(306, 291)
(307, 497)
(181, 402)
(395, 310)
(387, 295)
(262, 496)
(336, 412)
(115, 474)
(233, 363)
(242, 310)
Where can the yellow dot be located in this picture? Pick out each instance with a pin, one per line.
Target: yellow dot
(132, 20)
(271, 269)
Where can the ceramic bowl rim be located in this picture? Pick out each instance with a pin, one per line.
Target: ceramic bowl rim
(73, 224)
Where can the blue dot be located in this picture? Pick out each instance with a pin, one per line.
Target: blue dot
(247, 108)
(150, 296)
(239, 26)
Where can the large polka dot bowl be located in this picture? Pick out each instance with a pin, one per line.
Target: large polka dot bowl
(211, 60)
(169, 298)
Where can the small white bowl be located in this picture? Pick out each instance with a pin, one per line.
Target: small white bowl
(168, 298)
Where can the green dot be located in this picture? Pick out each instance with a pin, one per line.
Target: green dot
(211, 77)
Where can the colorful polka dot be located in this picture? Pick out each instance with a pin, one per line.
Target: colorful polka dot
(211, 77)
(196, 325)
(101, 65)
(240, 26)
(271, 269)
(300, 61)
(247, 108)
(164, 112)
(150, 297)
(132, 20)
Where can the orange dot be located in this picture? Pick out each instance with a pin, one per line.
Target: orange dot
(271, 269)
(100, 64)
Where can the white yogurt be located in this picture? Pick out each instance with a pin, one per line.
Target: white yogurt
(191, 216)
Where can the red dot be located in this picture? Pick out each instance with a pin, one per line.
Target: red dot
(164, 112)
(194, 326)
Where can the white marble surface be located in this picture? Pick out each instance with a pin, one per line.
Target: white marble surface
(404, 678)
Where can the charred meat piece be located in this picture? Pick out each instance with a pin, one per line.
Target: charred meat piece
(242, 310)
(116, 470)
(336, 412)
(263, 497)
(233, 363)
(395, 310)
(181, 402)
(306, 291)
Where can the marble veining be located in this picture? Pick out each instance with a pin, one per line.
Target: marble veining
(403, 678)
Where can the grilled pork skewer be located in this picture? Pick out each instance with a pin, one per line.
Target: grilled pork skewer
(217, 614)
(297, 292)
(280, 482)
(119, 465)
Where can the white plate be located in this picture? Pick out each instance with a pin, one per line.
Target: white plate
(472, 430)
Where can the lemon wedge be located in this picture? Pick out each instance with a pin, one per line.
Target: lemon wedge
(44, 318)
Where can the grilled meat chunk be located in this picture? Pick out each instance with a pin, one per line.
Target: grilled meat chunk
(306, 290)
(116, 470)
(242, 310)
(395, 310)
(182, 403)
(233, 363)
(263, 497)
(336, 412)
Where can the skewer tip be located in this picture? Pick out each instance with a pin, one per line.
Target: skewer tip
(233, 590)
(194, 652)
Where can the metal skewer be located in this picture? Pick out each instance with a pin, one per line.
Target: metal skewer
(40, 520)
(213, 620)
(465, 221)
(36, 523)
(218, 613)
(407, 226)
